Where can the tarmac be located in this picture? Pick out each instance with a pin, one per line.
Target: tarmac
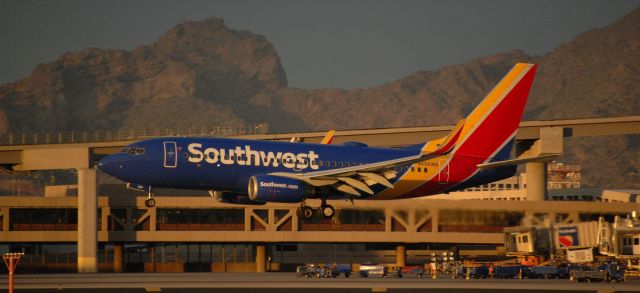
(288, 282)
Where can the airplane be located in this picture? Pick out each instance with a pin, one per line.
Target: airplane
(477, 151)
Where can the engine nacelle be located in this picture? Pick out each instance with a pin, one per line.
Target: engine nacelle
(269, 188)
(233, 198)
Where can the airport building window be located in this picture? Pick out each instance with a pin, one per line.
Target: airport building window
(43, 219)
(347, 216)
(477, 221)
(231, 219)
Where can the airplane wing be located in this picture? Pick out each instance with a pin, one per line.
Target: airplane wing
(506, 163)
(356, 179)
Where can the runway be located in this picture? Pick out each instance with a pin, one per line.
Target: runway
(288, 282)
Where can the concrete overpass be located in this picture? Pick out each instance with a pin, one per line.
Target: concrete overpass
(534, 138)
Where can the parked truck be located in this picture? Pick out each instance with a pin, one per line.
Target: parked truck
(605, 273)
(373, 271)
(546, 272)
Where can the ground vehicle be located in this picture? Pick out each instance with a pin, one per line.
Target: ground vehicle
(373, 270)
(604, 273)
(338, 269)
(406, 271)
(323, 271)
(302, 271)
(474, 272)
(508, 272)
(546, 272)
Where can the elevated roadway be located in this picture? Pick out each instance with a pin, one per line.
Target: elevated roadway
(534, 138)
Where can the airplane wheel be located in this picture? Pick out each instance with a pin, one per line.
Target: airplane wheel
(327, 211)
(306, 212)
(150, 202)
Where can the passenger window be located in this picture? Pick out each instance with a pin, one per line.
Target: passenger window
(636, 241)
(335, 164)
(412, 169)
(125, 150)
(319, 163)
(419, 169)
(139, 151)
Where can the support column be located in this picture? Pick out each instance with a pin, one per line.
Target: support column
(536, 181)
(5, 218)
(117, 258)
(261, 258)
(87, 220)
(401, 255)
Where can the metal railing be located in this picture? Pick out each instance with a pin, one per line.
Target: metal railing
(127, 135)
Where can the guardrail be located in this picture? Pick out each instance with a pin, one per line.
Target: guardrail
(126, 135)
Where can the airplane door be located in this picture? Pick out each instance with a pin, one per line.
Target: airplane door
(170, 154)
(443, 176)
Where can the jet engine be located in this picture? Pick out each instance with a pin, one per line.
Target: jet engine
(233, 198)
(269, 188)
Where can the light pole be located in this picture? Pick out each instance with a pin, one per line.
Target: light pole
(11, 260)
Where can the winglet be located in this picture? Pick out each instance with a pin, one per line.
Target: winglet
(328, 138)
(449, 142)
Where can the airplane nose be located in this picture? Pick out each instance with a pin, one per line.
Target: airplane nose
(109, 164)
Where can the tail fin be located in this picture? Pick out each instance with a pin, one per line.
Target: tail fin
(492, 125)
(328, 138)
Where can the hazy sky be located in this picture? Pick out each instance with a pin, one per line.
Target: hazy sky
(321, 43)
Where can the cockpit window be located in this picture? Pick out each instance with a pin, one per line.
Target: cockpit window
(132, 151)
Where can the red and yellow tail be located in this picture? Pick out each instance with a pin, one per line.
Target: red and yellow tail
(484, 135)
(495, 120)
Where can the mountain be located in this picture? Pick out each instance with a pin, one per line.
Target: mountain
(203, 73)
(198, 73)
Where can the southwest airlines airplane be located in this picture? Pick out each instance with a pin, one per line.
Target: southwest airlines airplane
(477, 151)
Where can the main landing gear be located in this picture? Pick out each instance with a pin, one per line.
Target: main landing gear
(325, 210)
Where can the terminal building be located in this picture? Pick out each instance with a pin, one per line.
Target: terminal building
(96, 224)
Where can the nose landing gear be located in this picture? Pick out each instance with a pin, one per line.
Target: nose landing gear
(150, 202)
